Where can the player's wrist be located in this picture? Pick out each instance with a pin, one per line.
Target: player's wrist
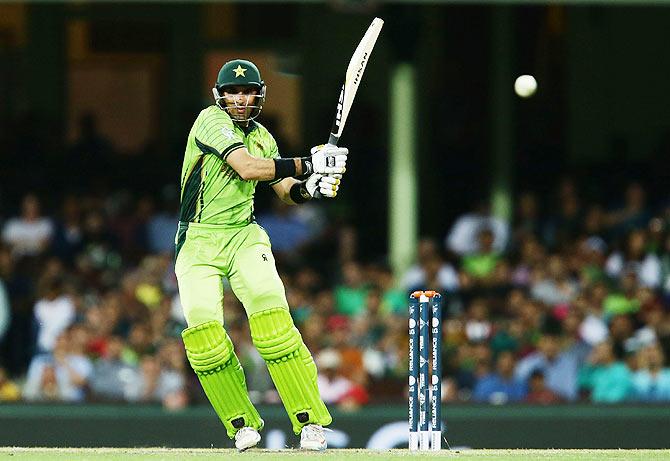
(284, 168)
(299, 193)
(306, 167)
(299, 168)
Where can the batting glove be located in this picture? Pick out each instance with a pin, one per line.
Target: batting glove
(329, 159)
(320, 186)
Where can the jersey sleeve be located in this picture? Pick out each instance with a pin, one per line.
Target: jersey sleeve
(273, 153)
(215, 134)
(274, 150)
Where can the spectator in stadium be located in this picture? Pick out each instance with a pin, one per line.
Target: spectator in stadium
(18, 344)
(555, 287)
(592, 254)
(376, 333)
(589, 304)
(559, 366)
(112, 376)
(501, 386)
(527, 219)
(54, 312)
(565, 225)
(636, 260)
(30, 233)
(154, 384)
(119, 297)
(651, 381)
(531, 254)
(528, 320)
(158, 229)
(173, 369)
(481, 263)
(68, 230)
(634, 214)
(100, 259)
(595, 222)
(462, 238)
(350, 295)
(470, 363)
(140, 341)
(334, 386)
(538, 392)
(430, 270)
(623, 300)
(63, 375)
(370, 326)
(478, 326)
(339, 338)
(259, 382)
(621, 330)
(607, 379)
(393, 298)
(42, 384)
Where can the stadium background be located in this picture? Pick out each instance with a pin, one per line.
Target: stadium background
(95, 104)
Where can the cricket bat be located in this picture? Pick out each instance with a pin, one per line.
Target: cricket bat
(353, 78)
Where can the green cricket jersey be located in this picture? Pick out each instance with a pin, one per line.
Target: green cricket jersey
(211, 191)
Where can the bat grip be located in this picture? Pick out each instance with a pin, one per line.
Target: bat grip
(333, 140)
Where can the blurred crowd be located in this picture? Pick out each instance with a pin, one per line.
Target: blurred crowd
(569, 301)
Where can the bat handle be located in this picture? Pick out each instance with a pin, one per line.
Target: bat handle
(332, 140)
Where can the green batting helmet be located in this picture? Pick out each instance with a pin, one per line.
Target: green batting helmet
(240, 72)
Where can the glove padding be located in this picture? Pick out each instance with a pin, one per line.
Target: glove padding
(329, 159)
(320, 186)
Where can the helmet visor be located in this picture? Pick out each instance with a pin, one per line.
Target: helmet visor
(242, 103)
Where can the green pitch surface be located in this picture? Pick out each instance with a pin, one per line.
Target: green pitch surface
(123, 454)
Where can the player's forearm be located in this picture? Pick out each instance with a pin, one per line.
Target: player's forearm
(283, 190)
(252, 168)
(256, 169)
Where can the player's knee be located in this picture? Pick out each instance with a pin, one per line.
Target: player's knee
(274, 334)
(208, 347)
(199, 315)
(267, 297)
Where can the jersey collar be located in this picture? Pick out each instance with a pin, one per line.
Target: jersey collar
(249, 128)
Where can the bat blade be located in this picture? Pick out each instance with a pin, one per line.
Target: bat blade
(353, 78)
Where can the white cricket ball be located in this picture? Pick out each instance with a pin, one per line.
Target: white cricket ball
(525, 86)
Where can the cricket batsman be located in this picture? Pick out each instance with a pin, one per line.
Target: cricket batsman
(227, 153)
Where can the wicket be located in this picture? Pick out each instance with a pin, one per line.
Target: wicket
(425, 327)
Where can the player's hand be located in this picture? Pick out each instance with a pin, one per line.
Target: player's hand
(329, 159)
(320, 186)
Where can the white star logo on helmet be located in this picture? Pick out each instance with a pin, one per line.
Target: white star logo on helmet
(239, 71)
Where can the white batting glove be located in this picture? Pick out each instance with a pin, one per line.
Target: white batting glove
(329, 159)
(320, 186)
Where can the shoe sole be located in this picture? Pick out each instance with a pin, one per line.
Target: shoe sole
(249, 446)
(313, 448)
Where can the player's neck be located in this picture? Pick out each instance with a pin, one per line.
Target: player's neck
(246, 126)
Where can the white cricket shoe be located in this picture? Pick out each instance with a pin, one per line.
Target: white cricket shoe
(312, 437)
(246, 437)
